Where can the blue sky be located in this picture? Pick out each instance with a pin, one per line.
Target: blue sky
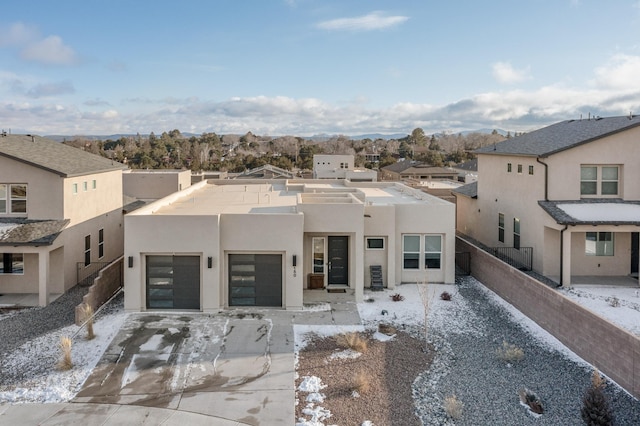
(305, 67)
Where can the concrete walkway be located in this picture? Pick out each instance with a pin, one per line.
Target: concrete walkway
(232, 368)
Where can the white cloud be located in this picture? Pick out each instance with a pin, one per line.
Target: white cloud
(373, 21)
(620, 73)
(504, 72)
(50, 89)
(51, 51)
(17, 34)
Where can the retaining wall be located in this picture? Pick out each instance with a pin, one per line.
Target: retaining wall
(104, 286)
(611, 349)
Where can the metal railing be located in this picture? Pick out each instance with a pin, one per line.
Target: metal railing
(463, 263)
(521, 258)
(85, 274)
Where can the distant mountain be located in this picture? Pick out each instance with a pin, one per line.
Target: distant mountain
(62, 138)
(373, 136)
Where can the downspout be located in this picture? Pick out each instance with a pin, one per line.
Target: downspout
(561, 252)
(546, 178)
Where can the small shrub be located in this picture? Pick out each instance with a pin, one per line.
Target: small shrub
(387, 329)
(453, 407)
(510, 353)
(445, 295)
(87, 315)
(397, 297)
(65, 362)
(361, 382)
(530, 399)
(353, 341)
(614, 302)
(596, 410)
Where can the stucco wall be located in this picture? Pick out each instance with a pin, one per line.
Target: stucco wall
(44, 189)
(91, 203)
(611, 349)
(106, 284)
(154, 184)
(21, 283)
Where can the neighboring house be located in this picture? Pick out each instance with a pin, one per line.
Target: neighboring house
(334, 166)
(265, 172)
(467, 171)
(260, 243)
(60, 211)
(570, 191)
(145, 184)
(415, 170)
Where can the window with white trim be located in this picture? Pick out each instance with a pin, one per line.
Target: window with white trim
(422, 252)
(501, 227)
(74, 188)
(598, 180)
(375, 243)
(508, 167)
(94, 184)
(13, 198)
(12, 263)
(599, 244)
(85, 186)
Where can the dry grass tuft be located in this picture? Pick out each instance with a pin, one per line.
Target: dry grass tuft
(87, 316)
(353, 341)
(453, 407)
(65, 362)
(361, 382)
(532, 400)
(387, 329)
(509, 352)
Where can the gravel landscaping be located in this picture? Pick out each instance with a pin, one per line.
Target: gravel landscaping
(465, 334)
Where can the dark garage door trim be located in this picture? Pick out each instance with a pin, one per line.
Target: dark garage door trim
(173, 282)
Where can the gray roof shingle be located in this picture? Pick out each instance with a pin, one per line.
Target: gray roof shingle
(561, 136)
(23, 232)
(56, 157)
(556, 211)
(469, 190)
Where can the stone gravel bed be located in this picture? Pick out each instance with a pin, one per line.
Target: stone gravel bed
(466, 365)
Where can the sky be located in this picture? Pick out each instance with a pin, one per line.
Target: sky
(306, 67)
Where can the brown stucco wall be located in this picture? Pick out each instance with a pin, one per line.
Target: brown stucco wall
(104, 286)
(611, 349)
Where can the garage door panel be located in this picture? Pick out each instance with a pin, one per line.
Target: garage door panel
(255, 280)
(173, 282)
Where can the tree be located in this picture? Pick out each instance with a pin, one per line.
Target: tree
(418, 137)
(595, 405)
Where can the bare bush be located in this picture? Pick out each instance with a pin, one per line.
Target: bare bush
(453, 407)
(353, 341)
(596, 410)
(510, 353)
(397, 297)
(65, 362)
(531, 400)
(445, 295)
(87, 317)
(361, 382)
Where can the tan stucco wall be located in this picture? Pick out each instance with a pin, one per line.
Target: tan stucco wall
(328, 166)
(44, 190)
(21, 283)
(88, 204)
(619, 264)
(154, 184)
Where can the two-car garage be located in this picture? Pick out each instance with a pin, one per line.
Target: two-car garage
(173, 281)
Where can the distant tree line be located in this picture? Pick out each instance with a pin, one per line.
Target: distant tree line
(235, 153)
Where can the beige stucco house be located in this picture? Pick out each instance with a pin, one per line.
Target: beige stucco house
(144, 184)
(568, 190)
(60, 210)
(221, 244)
(341, 166)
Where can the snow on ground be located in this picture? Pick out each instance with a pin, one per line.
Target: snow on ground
(620, 305)
(37, 358)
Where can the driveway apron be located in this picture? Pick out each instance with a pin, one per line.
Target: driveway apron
(233, 366)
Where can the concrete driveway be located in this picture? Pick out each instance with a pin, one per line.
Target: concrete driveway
(234, 366)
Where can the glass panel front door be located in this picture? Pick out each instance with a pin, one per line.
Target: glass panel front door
(318, 255)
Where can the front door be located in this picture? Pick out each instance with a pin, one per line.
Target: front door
(634, 254)
(338, 265)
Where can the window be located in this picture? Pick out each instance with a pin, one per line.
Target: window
(3, 198)
(375, 243)
(599, 244)
(423, 250)
(520, 168)
(75, 188)
(87, 250)
(599, 180)
(11, 263)
(94, 184)
(501, 227)
(85, 186)
(13, 198)
(508, 167)
(411, 252)
(432, 251)
(530, 170)
(101, 243)
(516, 233)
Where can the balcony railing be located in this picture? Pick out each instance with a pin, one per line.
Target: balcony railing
(521, 258)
